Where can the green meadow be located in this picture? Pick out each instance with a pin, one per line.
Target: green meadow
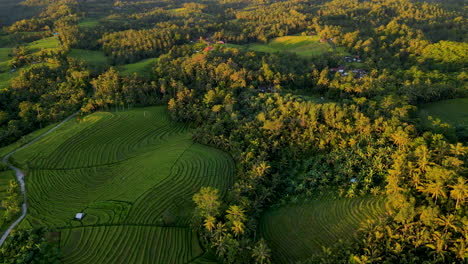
(96, 60)
(133, 173)
(88, 23)
(142, 68)
(45, 43)
(453, 112)
(295, 232)
(305, 46)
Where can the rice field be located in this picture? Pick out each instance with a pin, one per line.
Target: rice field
(142, 68)
(295, 232)
(95, 59)
(88, 23)
(133, 173)
(45, 43)
(304, 46)
(129, 244)
(453, 112)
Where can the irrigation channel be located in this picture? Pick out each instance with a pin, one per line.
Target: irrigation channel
(20, 176)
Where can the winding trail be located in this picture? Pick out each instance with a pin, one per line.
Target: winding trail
(20, 177)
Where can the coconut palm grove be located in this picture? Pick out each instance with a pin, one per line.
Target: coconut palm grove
(233, 131)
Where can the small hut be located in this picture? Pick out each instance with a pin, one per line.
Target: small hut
(79, 216)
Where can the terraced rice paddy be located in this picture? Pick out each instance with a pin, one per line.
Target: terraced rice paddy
(295, 232)
(130, 244)
(133, 174)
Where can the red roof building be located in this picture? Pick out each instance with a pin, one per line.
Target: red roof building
(208, 48)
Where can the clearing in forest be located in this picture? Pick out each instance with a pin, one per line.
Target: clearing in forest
(295, 232)
(95, 59)
(304, 46)
(142, 68)
(453, 111)
(133, 173)
(45, 43)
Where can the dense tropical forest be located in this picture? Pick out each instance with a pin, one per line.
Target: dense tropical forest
(238, 131)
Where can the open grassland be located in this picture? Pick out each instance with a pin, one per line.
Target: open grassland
(295, 232)
(96, 60)
(133, 174)
(305, 46)
(129, 244)
(142, 68)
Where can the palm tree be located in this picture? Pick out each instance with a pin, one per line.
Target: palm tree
(447, 222)
(459, 191)
(261, 253)
(219, 231)
(210, 223)
(435, 189)
(237, 227)
(235, 213)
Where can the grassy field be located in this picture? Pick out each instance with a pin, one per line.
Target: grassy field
(45, 43)
(95, 59)
(142, 68)
(133, 174)
(453, 111)
(295, 232)
(88, 23)
(305, 46)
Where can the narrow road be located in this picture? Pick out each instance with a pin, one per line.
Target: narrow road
(20, 177)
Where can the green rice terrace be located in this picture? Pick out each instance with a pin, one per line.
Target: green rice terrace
(296, 231)
(133, 174)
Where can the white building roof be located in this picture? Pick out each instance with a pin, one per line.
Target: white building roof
(79, 216)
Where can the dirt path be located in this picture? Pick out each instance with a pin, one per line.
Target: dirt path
(20, 177)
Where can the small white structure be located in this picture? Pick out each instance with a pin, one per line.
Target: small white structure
(79, 216)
